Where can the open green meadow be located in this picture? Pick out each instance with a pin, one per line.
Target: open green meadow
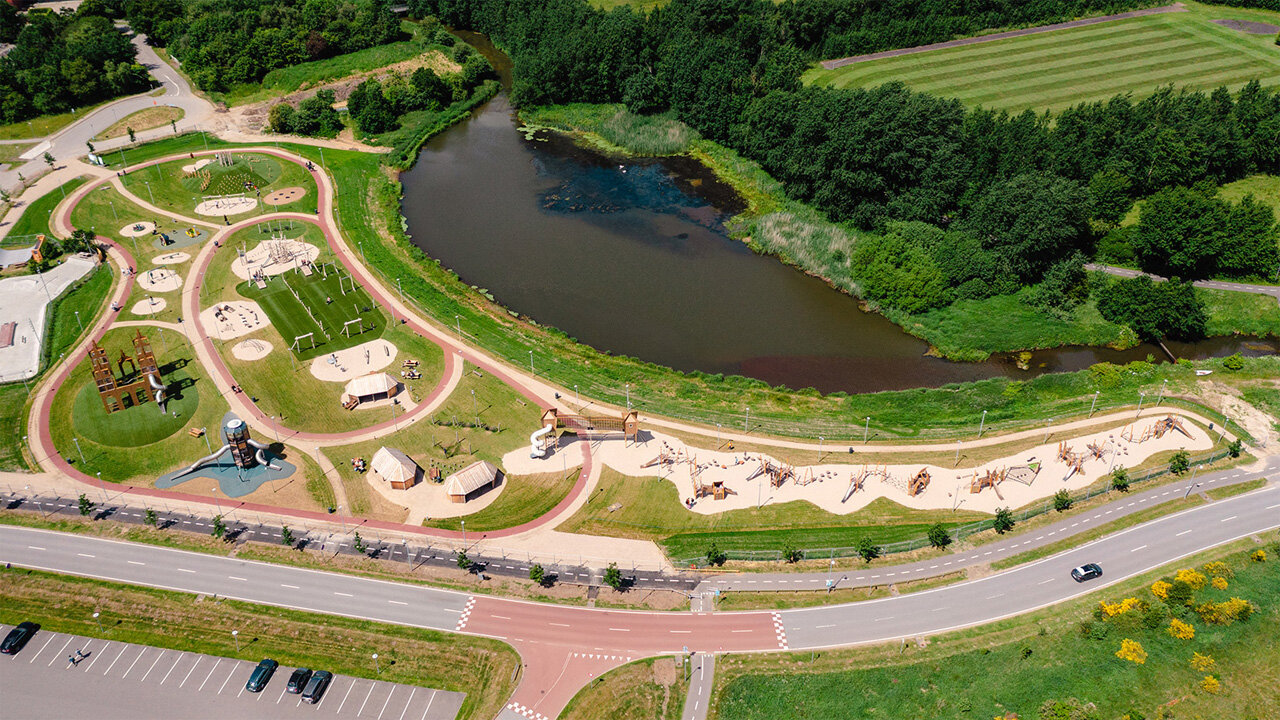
(1057, 69)
(252, 174)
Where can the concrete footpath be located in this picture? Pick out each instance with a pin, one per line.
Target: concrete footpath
(127, 681)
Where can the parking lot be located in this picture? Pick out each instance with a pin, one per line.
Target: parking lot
(121, 680)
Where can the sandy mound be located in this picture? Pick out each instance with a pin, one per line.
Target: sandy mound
(160, 280)
(284, 196)
(197, 165)
(226, 206)
(251, 349)
(149, 306)
(137, 229)
(362, 359)
(273, 257)
(173, 258)
(230, 320)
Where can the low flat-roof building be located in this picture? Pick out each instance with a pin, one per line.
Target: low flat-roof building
(471, 480)
(398, 469)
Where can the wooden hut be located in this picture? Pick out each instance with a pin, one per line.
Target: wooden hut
(396, 468)
(471, 480)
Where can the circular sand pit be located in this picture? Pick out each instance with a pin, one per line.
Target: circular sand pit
(251, 349)
(173, 258)
(226, 206)
(137, 229)
(149, 306)
(196, 165)
(284, 196)
(160, 280)
(1249, 27)
(233, 319)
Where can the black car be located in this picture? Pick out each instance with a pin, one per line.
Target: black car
(1086, 572)
(298, 680)
(316, 686)
(261, 675)
(18, 637)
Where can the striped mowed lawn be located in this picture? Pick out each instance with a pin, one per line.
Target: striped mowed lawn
(1057, 69)
(291, 319)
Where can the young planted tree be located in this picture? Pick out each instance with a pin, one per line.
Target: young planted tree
(286, 536)
(150, 517)
(1235, 447)
(1003, 521)
(1062, 500)
(132, 136)
(938, 536)
(537, 573)
(868, 550)
(357, 542)
(219, 527)
(716, 556)
(48, 159)
(86, 505)
(1120, 479)
(1180, 462)
(613, 576)
(792, 554)
(463, 561)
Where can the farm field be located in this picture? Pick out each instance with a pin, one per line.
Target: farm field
(1061, 68)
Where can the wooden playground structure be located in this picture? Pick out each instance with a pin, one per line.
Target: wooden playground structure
(1157, 430)
(142, 366)
(628, 425)
(1073, 460)
(917, 484)
(990, 479)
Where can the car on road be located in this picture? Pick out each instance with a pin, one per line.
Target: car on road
(298, 680)
(261, 675)
(316, 686)
(1086, 572)
(18, 637)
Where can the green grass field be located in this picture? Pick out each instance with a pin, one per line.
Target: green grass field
(178, 191)
(325, 320)
(35, 219)
(1058, 69)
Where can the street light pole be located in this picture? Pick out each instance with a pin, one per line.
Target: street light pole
(464, 535)
(1162, 387)
(982, 424)
(1094, 404)
(76, 440)
(746, 422)
(377, 669)
(531, 370)
(235, 634)
(1141, 396)
(99, 621)
(866, 429)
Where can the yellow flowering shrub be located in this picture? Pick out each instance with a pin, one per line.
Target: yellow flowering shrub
(1113, 609)
(1259, 556)
(1191, 577)
(1219, 583)
(1202, 663)
(1160, 589)
(1226, 612)
(1210, 685)
(1132, 651)
(1217, 568)
(1181, 630)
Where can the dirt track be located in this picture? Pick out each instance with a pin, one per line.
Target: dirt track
(832, 64)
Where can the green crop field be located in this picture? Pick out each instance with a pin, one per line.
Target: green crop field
(1061, 68)
(325, 319)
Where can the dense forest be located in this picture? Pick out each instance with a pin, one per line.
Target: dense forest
(63, 61)
(222, 43)
(970, 203)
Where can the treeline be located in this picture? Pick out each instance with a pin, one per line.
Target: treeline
(62, 61)
(222, 43)
(376, 106)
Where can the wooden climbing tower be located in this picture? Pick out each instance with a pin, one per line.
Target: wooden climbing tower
(115, 394)
(990, 479)
(917, 484)
(1168, 424)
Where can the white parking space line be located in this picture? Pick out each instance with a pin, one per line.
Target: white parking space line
(42, 647)
(206, 677)
(153, 666)
(234, 667)
(412, 692)
(388, 702)
(171, 667)
(135, 662)
(193, 669)
(113, 662)
(429, 701)
(59, 653)
(326, 697)
(97, 655)
(282, 691)
(344, 697)
(366, 699)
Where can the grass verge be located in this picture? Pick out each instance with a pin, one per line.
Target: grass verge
(35, 219)
(152, 117)
(653, 688)
(814, 598)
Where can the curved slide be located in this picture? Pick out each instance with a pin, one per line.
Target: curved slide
(159, 388)
(261, 456)
(536, 450)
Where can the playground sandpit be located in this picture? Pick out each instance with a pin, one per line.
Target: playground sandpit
(284, 196)
(352, 362)
(274, 257)
(196, 165)
(226, 206)
(1249, 27)
(1032, 475)
(149, 306)
(173, 258)
(138, 229)
(179, 238)
(233, 319)
(160, 280)
(252, 349)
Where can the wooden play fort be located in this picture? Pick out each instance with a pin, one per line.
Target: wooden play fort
(628, 425)
(778, 473)
(142, 376)
(990, 479)
(1072, 459)
(1158, 429)
(917, 484)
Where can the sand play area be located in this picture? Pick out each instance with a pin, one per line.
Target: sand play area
(138, 229)
(160, 280)
(841, 488)
(273, 257)
(284, 196)
(196, 165)
(362, 359)
(226, 206)
(233, 319)
(173, 258)
(251, 349)
(149, 306)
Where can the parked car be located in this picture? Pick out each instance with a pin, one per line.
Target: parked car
(1086, 572)
(18, 637)
(261, 675)
(298, 680)
(316, 686)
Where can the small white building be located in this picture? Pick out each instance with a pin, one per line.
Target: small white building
(472, 480)
(398, 469)
(370, 388)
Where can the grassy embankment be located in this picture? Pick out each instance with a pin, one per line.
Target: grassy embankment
(35, 219)
(1015, 665)
(1054, 70)
(62, 332)
(653, 689)
(480, 667)
(368, 202)
(152, 117)
(38, 127)
(10, 153)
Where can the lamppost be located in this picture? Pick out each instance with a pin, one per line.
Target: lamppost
(215, 501)
(628, 396)
(576, 399)
(149, 193)
(99, 621)
(473, 408)
(464, 535)
(1094, 404)
(531, 370)
(717, 436)
(457, 323)
(982, 424)
(1193, 484)
(103, 486)
(80, 324)
(866, 428)
(1163, 383)
(1141, 396)
(819, 448)
(746, 421)
(377, 669)
(235, 634)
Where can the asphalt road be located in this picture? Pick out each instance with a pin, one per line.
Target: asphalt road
(1272, 290)
(127, 681)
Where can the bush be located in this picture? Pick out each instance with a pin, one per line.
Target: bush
(716, 556)
(86, 505)
(1062, 500)
(867, 549)
(938, 536)
(463, 561)
(899, 274)
(1210, 685)
(792, 554)
(1003, 521)
(1191, 577)
(1202, 663)
(537, 573)
(1132, 651)
(1181, 630)
(1066, 709)
(1219, 583)
(1154, 310)
(1120, 479)
(1235, 447)
(1160, 589)
(1259, 556)
(1180, 462)
(1233, 362)
(613, 576)
(1226, 612)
